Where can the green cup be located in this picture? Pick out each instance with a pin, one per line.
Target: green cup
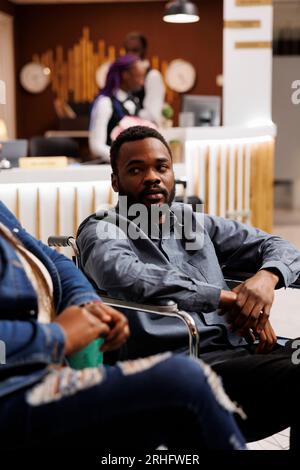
(90, 356)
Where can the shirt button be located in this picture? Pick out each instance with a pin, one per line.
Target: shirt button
(16, 230)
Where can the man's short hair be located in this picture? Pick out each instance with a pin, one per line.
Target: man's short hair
(140, 37)
(133, 134)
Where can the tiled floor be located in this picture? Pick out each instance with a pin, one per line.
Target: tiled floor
(285, 315)
(278, 441)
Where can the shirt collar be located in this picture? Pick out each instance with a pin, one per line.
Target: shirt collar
(122, 95)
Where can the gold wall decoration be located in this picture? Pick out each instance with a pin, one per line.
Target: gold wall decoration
(253, 45)
(253, 3)
(242, 24)
(73, 72)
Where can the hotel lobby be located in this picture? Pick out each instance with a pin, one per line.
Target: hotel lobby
(227, 89)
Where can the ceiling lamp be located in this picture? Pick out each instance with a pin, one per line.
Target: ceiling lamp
(181, 11)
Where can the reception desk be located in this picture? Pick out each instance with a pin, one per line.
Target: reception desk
(230, 169)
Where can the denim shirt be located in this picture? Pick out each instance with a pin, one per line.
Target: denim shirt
(30, 346)
(145, 269)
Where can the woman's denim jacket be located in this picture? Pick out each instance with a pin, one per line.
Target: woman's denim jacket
(27, 347)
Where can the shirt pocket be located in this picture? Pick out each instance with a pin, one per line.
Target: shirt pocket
(198, 263)
(205, 261)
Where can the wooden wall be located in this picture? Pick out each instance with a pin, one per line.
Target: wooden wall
(7, 7)
(40, 27)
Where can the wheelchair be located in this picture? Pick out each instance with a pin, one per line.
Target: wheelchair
(169, 308)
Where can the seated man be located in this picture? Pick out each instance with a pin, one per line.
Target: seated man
(44, 403)
(122, 256)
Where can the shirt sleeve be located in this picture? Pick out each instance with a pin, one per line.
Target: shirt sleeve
(154, 97)
(101, 114)
(112, 264)
(29, 342)
(240, 247)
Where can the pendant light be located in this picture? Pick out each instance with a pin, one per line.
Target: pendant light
(181, 11)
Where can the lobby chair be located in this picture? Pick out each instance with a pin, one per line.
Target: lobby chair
(53, 146)
(234, 278)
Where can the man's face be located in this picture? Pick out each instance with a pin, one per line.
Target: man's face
(134, 77)
(145, 173)
(135, 47)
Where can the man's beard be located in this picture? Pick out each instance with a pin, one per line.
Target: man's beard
(148, 217)
(133, 199)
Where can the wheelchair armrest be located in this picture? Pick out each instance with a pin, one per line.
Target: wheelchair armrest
(169, 309)
(236, 277)
(64, 241)
(59, 240)
(296, 284)
(168, 306)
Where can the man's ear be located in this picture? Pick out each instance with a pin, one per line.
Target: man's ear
(114, 183)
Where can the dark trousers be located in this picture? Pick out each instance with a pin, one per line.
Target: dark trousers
(267, 387)
(135, 405)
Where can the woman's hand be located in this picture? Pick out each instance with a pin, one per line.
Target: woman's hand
(117, 322)
(81, 327)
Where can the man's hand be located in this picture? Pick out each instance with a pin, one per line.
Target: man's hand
(117, 322)
(227, 300)
(253, 303)
(267, 338)
(81, 327)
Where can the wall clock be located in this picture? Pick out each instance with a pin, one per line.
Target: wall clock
(35, 77)
(180, 75)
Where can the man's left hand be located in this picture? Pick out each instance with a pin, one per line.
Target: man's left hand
(267, 338)
(254, 301)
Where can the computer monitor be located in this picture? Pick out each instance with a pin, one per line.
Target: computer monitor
(206, 109)
(12, 150)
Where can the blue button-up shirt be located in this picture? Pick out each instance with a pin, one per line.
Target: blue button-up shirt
(145, 269)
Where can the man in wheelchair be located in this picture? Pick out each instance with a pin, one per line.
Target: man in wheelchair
(134, 257)
(48, 311)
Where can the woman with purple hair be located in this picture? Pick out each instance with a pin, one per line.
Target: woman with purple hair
(125, 76)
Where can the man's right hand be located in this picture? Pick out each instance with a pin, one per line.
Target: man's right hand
(81, 327)
(227, 300)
